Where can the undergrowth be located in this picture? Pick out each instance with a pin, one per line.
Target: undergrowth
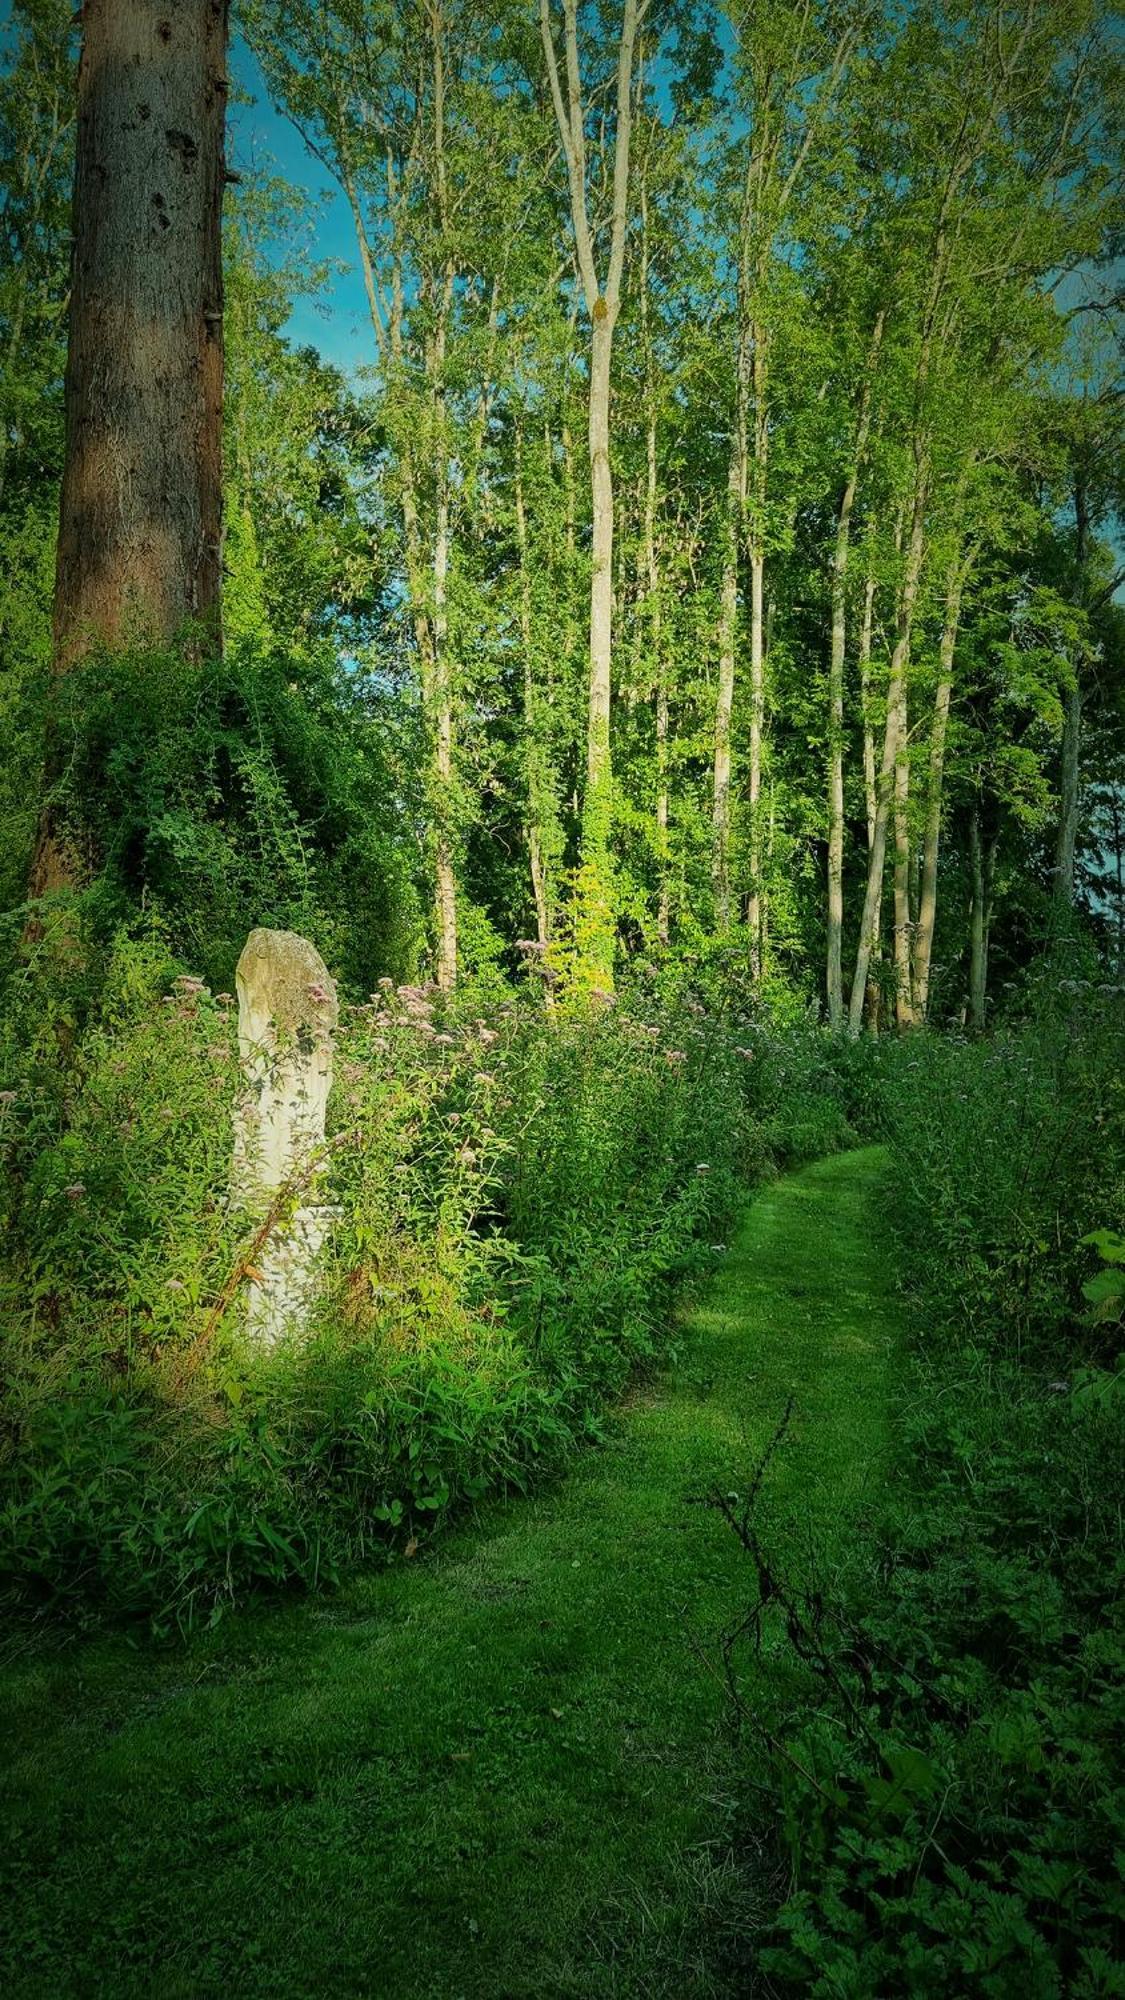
(942, 1761)
(517, 1193)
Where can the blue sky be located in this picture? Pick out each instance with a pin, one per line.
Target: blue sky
(259, 138)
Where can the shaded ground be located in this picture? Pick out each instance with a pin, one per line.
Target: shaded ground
(496, 1772)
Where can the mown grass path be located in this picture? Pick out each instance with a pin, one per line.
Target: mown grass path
(496, 1772)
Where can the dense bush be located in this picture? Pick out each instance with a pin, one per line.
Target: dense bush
(516, 1193)
(951, 1803)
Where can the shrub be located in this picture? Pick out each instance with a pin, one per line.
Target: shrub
(943, 1761)
(516, 1192)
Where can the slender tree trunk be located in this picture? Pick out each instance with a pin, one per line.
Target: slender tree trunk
(927, 905)
(656, 636)
(835, 928)
(597, 805)
(870, 779)
(140, 515)
(892, 747)
(1066, 840)
(531, 725)
(724, 697)
(595, 928)
(445, 885)
(982, 859)
(754, 904)
(903, 926)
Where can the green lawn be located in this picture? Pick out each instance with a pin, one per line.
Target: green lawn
(498, 1770)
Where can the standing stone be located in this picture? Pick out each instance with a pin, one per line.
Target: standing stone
(287, 1011)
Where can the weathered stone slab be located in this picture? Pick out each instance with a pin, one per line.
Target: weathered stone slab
(287, 1013)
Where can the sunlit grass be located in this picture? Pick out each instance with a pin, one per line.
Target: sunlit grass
(498, 1770)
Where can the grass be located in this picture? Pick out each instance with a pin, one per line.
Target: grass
(498, 1770)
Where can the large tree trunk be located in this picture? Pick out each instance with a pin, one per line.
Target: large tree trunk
(140, 515)
(893, 748)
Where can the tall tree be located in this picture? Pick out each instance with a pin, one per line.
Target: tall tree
(595, 908)
(139, 549)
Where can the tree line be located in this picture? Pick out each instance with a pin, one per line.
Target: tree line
(717, 556)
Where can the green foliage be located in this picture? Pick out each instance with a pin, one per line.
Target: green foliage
(218, 792)
(943, 1738)
(516, 1192)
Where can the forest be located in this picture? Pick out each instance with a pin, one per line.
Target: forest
(562, 998)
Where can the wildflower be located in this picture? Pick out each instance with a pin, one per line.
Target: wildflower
(75, 1191)
(466, 1156)
(187, 984)
(224, 999)
(674, 1056)
(482, 1076)
(488, 1036)
(384, 986)
(174, 1285)
(704, 1167)
(530, 945)
(318, 991)
(7, 1097)
(445, 1041)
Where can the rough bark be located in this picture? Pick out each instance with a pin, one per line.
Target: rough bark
(141, 507)
(140, 515)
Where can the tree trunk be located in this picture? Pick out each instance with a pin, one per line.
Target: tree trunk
(982, 861)
(892, 750)
(1066, 841)
(724, 698)
(445, 886)
(870, 780)
(927, 906)
(141, 507)
(140, 514)
(903, 926)
(757, 649)
(531, 727)
(835, 928)
(597, 805)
